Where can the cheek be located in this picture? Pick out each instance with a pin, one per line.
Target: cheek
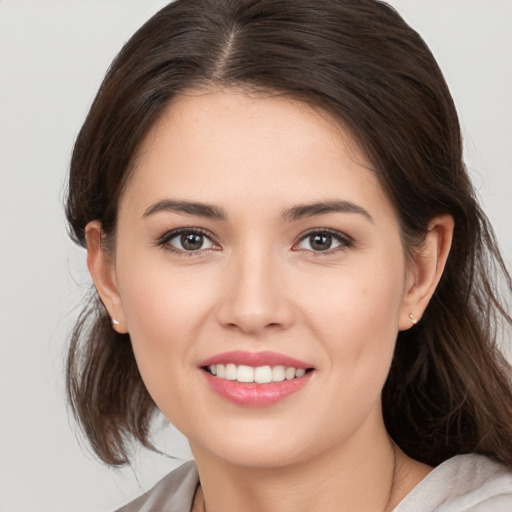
(355, 311)
(159, 298)
(164, 310)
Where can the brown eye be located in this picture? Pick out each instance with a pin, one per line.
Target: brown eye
(186, 240)
(192, 241)
(322, 241)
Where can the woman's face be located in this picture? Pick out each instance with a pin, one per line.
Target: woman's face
(251, 235)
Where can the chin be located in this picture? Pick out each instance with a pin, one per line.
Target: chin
(269, 457)
(270, 446)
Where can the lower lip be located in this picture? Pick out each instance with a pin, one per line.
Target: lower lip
(255, 395)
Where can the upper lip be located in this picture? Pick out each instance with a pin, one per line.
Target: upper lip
(255, 359)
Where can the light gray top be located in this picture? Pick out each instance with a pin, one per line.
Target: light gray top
(465, 483)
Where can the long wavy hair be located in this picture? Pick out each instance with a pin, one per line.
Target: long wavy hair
(449, 388)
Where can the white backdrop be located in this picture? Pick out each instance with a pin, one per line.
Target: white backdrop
(52, 57)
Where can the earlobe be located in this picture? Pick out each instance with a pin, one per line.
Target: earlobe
(426, 270)
(102, 270)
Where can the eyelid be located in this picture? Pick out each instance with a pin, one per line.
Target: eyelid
(344, 240)
(163, 241)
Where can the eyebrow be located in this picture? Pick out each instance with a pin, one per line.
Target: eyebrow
(336, 206)
(190, 208)
(290, 215)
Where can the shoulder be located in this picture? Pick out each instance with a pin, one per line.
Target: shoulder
(174, 492)
(465, 483)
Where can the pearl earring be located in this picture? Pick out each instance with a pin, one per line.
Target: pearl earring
(115, 323)
(413, 319)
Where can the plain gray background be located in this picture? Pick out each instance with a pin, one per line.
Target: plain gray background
(53, 55)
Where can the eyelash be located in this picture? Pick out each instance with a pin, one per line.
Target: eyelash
(345, 242)
(164, 240)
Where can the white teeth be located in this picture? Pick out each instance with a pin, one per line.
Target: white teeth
(231, 371)
(245, 374)
(290, 373)
(263, 374)
(278, 373)
(260, 374)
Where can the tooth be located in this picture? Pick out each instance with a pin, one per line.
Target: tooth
(245, 374)
(278, 373)
(289, 373)
(262, 374)
(230, 371)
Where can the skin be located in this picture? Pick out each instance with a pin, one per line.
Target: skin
(258, 284)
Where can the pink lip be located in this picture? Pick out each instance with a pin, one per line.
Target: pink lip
(265, 358)
(255, 395)
(252, 394)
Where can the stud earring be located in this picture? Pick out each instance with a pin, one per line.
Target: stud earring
(115, 323)
(413, 319)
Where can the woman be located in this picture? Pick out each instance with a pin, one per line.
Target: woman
(290, 265)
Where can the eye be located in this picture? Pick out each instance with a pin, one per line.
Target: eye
(187, 240)
(322, 241)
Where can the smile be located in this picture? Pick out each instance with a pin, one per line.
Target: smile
(255, 379)
(259, 375)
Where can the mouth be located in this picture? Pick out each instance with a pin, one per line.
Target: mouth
(259, 375)
(255, 379)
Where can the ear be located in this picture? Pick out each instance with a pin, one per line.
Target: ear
(426, 270)
(102, 269)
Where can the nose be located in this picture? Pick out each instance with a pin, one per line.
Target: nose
(255, 297)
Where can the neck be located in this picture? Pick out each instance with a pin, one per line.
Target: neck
(355, 476)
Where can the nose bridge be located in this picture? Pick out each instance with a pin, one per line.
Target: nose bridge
(255, 299)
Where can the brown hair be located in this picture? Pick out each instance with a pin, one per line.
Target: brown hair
(448, 390)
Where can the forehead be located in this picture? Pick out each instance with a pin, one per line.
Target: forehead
(215, 145)
(250, 120)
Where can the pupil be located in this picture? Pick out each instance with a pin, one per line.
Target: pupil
(192, 241)
(321, 242)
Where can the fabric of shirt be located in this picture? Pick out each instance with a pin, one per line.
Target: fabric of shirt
(465, 483)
